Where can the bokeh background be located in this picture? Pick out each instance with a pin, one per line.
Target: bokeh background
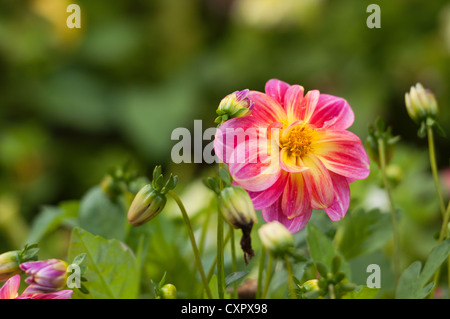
(76, 102)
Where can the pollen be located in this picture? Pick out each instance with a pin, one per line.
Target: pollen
(298, 140)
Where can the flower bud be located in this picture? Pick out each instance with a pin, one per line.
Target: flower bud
(420, 103)
(310, 285)
(9, 265)
(236, 207)
(147, 204)
(168, 291)
(45, 276)
(236, 104)
(276, 239)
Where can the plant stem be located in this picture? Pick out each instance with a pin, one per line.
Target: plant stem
(268, 277)
(331, 291)
(434, 169)
(220, 249)
(442, 236)
(233, 260)
(213, 265)
(262, 262)
(382, 157)
(289, 279)
(193, 243)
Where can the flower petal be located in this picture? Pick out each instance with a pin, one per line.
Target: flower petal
(276, 89)
(255, 169)
(10, 288)
(293, 103)
(296, 200)
(332, 112)
(266, 108)
(63, 294)
(342, 153)
(275, 212)
(299, 107)
(341, 202)
(318, 181)
(235, 131)
(267, 197)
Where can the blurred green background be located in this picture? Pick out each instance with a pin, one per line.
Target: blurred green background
(75, 102)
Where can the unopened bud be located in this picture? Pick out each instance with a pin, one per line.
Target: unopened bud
(420, 103)
(147, 204)
(236, 207)
(45, 276)
(9, 265)
(276, 238)
(168, 291)
(236, 104)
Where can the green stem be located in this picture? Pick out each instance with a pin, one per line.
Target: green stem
(268, 277)
(442, 236)
(201, 244)
(262, 262)
(220, 251)
(233, 261)
(382, 157)
(194, 245)
(213, 265)
(434, 169)
(289, 279)
(331, 291)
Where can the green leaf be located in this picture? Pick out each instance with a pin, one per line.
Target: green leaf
(102, 216)
(362, 233)
(363, 293)
(322, 250)
(112, 269)
(413, 284)
(235, 276)
(213, 287)
(52, 217)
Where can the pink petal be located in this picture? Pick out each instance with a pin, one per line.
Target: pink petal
(276, 89)
(318, 181)
(255, 170)
(267, 197)
(296, 200)
(332, 112)
(342, 153)
(275, 212)
(299, 107)
(235, 131)
(10, 288)
(63, 294)
(293, 103)
(266, 108)
(341, 202)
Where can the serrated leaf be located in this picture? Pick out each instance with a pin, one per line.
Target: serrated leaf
(52, 217)
(362, 233)
(322, 250)
(413, 283)
(102, 216)
(112, 269)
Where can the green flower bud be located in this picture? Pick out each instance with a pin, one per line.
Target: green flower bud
(236, 207)
(276, 239)
(9, 265)
(168, 291)
(420, 103)
(310, 285)
(147, 204)
(236, 104)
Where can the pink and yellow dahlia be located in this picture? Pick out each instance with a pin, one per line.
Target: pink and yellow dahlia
(294, 153)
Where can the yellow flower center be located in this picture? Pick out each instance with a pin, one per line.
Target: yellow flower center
(297, 140)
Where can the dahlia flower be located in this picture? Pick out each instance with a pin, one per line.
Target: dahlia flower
(293, 153)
